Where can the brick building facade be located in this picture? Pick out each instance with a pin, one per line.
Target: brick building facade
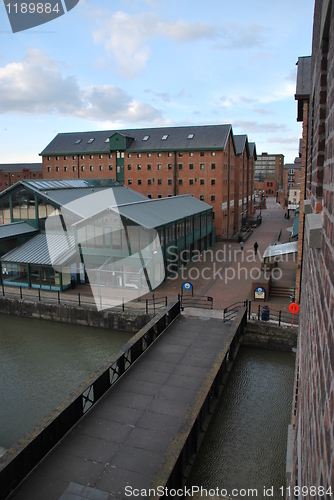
(312, 429)
(162, 162)
(14, 172)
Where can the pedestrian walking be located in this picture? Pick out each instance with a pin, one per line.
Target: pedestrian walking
(256, 246)
(241, 245)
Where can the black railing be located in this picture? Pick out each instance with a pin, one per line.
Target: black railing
(149, 305)
(201, 302)
(19, 460)
(231, 311)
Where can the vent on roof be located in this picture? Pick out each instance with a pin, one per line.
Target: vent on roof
(90, 141)
(146, 138)
(78, 141)
(107, 139)
(191, 136)
(164, 137)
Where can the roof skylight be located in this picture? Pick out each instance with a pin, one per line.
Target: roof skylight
(107, 139)
(164, 137)
(90, 141)
(146, 138)
(78, 141)
(191, 136)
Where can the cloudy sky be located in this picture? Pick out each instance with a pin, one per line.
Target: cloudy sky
(139, 63)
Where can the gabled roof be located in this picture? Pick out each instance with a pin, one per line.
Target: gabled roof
(15, 229)
(62, 192)
(148, 139)
(252, 150)
(18, 167)
(303, 88)
(241, 143)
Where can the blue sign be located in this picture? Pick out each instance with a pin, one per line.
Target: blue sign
(259, 293)
(187, 286)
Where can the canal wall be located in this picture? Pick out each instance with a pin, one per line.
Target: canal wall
(109, 319)
(267, 335)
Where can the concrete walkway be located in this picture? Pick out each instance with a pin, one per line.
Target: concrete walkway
(123, 440)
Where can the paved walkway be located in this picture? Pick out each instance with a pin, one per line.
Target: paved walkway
(225, 273)
(124, 438)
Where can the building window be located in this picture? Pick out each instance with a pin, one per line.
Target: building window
(49, 158)
(201, 197)
(213, 166)
(82, 157)
(110, 167)
(90, 141)
(149, 166)
(159, 155)
(139, 166)
(74, 168)
(139, 182)
(191, 166)
(65, 157)
(91, 168)
(101, 157)
(149, 155)
(65, 169)
(169, 154)
(191, 136)
(180, 166)
(159, 166)
(213, 215)
(170, 166)
(201, 181)
(49, 169)
(57, 158)
(149, 196)
(213, 182)
(213, 153)
(129, 166)
(159, 196)
(201, 166)
(74, 157)
(129, 182)
(164, 137)
(82, 168)
(202, 153)
(91, 157)
(129, 155)
(149, 181)
(101, 168)
(170, 182)
(180, 154)
(138, 155)
(180, 182)
(159, 182)
(191, 182)
(213, 198)
(57, 170)
(191, 154)
(110, 156)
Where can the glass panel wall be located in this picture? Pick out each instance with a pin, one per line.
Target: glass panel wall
(14, 274)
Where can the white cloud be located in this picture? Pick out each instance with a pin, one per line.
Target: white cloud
(258, 126)
(127, 37)
(36, 85)
(291, 139)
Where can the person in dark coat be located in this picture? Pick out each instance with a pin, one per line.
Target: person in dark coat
(256, 246)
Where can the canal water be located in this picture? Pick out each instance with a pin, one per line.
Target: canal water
(245, 445)
(41, 363)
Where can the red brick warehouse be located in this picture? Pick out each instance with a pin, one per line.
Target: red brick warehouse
(208, 162)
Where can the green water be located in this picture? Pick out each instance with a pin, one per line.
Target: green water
(41, 363)
(245, 444)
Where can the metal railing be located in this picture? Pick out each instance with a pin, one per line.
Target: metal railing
(147, 305)
(231, 311)
(201, 302)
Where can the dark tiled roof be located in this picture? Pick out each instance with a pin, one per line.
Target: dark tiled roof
(303, 87)
(240, 142)
(18, 167)
(252, 149)
(204, 137)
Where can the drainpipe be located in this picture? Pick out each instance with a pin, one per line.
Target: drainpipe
(228, 187)
(175, 174)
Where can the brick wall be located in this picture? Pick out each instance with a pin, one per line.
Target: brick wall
(313, 419)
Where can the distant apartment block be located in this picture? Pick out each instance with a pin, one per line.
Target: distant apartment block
(10, 173)
(268, 175)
